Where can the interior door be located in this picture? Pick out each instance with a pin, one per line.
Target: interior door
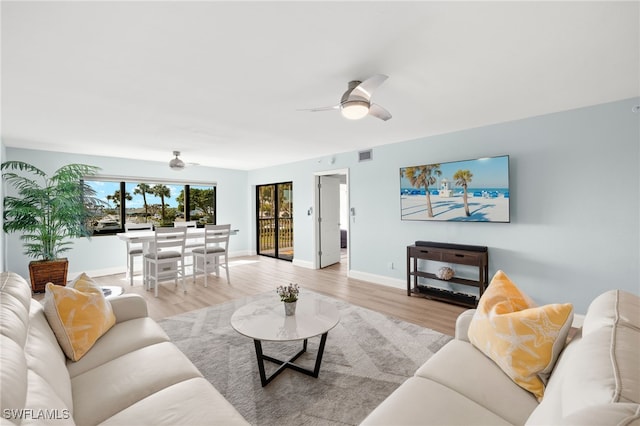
(329, 220)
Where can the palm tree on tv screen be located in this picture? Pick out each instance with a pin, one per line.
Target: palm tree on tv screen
(423, 176)
(463, 178)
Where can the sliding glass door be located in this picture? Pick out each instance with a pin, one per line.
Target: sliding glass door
(274, 217)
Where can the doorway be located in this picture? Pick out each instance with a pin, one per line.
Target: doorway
(332, 219)
(274, 217)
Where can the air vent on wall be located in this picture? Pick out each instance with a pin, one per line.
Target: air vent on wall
(365, 155)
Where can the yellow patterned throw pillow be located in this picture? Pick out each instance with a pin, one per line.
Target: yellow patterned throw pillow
(79, 315)
(522, 338)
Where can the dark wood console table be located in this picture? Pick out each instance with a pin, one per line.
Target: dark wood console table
(477, 256)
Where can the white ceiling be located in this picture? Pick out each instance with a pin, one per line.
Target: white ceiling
(223, 82)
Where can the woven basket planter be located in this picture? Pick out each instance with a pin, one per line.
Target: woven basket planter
(42, 272)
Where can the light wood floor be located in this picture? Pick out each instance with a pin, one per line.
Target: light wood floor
(258, 274)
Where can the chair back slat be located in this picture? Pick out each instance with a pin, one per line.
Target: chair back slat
(171, 238)
(128, 227)
(217, 235)
(187, 224)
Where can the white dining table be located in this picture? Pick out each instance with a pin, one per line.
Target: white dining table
(195, 236)
(146, 237)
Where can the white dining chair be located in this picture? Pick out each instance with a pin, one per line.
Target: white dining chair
(166, 259)
(191, 242)
(207, 258)
(134, 249)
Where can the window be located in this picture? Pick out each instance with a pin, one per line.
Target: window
(160, 203)
(202, 202)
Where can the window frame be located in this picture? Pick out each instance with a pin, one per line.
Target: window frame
(186, 185)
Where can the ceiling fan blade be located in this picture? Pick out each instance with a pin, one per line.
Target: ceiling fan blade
(329, 108)
(379, 112)
(367, 87)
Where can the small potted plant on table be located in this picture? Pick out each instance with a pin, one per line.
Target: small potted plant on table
(289, 295)
(48, 211)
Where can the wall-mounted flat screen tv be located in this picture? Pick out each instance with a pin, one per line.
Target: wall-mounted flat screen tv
(460, 191)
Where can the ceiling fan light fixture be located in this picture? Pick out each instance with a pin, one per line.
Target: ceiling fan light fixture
(176, 163)
(354, 110)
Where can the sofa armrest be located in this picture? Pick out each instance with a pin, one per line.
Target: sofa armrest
(462, 324)
(128, 306)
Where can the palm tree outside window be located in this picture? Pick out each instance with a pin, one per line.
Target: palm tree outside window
(151, 202)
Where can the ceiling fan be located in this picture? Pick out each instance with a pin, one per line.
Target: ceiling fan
(356, 101)
(177, 164)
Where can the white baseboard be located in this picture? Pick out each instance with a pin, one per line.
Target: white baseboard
(378, 279)
(98, 272)
(303, 263)
(123, 269)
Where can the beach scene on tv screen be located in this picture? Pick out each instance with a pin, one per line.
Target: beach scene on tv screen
(472, 190)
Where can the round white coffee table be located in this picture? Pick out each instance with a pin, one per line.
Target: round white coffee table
(266, 321)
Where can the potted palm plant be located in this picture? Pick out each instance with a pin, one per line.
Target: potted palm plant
(48, 211)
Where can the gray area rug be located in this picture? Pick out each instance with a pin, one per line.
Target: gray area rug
(367, 356)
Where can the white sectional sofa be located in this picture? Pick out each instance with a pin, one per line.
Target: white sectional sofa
(133, 375)
(596, 380)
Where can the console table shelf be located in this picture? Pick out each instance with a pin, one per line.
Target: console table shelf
(476, 256)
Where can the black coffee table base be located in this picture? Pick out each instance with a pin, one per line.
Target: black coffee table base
(288, 363)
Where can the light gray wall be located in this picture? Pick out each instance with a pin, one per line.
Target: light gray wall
(106, 254)
(575, 204)
(575, 213)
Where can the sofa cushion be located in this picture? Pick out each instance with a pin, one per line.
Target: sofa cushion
(14, 374)
(421, 401)
(626, 414)
(464, 369)
(15, 301)
(606, 369)
(103, 391)
(78, 316)
(522, 338)
(614, 307)
(190, 402)
(45, 357)
(44, 405)
(122, 338)
(600, 365)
